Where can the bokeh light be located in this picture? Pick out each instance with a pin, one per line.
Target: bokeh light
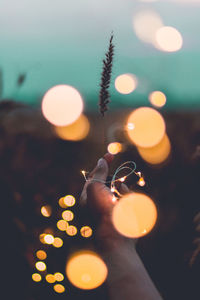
(157, 98)
(61, 202)
(134, 215)
(148, 127)
(145, 24)
(86, 231)
(62, 225)
(46, 211)
(58, 276)
(126, 83)
(59, 288)
(41, 254)
(86, 270)
(58, 242)
(168, 39)
(62, 105)
(71, 230)
(50, 278)
(41, 238)
(40, 266)
(67, 215)
(36, 277)
(49, 239)
(69, 200)
(158, 153)
(114, 148)
(76, 131)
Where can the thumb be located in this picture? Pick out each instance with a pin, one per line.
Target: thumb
(101, 170)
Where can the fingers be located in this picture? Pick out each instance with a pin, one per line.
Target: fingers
(101, 171)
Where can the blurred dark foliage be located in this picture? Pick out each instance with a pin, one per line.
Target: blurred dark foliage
(37, 168)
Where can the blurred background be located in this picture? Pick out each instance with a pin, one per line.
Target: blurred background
(51, 129)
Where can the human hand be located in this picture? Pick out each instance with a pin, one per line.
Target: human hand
(98, 197)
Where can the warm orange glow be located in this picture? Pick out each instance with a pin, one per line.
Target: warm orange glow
(59, 288)
(36, 277)
(69, 200)
(114, 148)
(168, 39)
(59, 276)
(149, 127)
(67, 215)
(157, 98)
(86, 270)
(61, 202)
(46, 211)
(76, 131)
(62, 225)
(49, 239)
(40, 266)
(50, 278)
(126, 83)
(134, 215)
(71, 230)
(41, 254)
(158, 153)
(86, 231)
(58, 242)
(62, 105)
(41, 237)
(145, 25)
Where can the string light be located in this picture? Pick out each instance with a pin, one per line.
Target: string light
(131, 167)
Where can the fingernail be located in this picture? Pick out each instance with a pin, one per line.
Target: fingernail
(100, 162)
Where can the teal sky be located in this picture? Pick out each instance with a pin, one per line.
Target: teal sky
(63, 42)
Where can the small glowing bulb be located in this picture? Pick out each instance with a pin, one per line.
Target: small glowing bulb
(139, 174)
(83, 172)
(114, 199)
(130, 126)
(141, 182)
(122, 179)
(112, 189)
